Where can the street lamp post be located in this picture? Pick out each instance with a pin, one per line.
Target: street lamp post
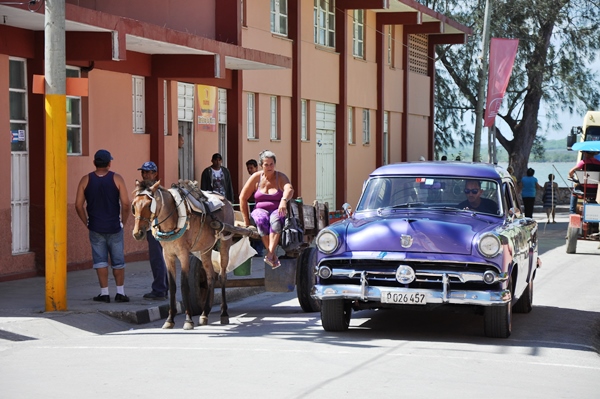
(56, 155)
(482, 82)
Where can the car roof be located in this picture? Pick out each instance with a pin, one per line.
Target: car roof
(443, 168)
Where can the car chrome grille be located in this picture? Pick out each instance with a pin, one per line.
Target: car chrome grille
(428, 274)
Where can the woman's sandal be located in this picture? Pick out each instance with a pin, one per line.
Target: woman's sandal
(276, 264)
(268, 261)
(273, 263)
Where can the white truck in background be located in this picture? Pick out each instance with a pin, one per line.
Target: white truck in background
(584, 223)
(589, 131)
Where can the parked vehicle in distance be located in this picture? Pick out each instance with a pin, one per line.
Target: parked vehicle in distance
(430, 234)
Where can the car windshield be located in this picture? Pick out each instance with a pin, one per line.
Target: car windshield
(431, 192)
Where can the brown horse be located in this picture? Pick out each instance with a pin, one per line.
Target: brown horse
(155, 206)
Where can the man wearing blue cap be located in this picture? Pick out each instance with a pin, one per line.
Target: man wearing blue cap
(155, 254)
(106, 211)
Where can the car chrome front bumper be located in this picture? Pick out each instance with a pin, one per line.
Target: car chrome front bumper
(445, 296)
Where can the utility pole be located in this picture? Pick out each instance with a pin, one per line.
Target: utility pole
(482, 83)
(56, 155)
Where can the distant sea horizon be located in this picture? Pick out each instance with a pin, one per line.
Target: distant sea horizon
(543, 169)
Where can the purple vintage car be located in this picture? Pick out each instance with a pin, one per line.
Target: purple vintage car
(428, 234)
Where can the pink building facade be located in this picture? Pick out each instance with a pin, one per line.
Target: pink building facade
(334, 88)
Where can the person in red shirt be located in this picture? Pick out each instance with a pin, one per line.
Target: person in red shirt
(587, 158)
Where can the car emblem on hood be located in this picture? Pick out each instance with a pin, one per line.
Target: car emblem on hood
(406, 241)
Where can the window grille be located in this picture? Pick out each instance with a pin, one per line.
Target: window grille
(251, 134)
(304, 121)
(366, 126)
(351, 126)
(274, 130)
(417, 54)
(138, 98)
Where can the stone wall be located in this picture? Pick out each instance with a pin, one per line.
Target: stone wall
(564, 194)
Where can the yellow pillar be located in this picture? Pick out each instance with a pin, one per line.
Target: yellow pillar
(56, 202)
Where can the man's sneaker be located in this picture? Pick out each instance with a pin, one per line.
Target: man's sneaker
(102, 298)
(155, 296)
(121, 298)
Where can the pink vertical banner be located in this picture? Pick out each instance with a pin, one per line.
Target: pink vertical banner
(502, 59)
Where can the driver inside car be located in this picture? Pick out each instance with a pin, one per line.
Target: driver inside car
(474, 201)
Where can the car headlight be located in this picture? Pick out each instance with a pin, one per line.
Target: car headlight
(327, 241)
(489, 245)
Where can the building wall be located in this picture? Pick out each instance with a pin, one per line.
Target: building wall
(109, 113)
(320, 82)
(418, 115)
(196, 17)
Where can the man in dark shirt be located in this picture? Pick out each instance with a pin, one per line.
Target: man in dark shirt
(106, 212)
(474, 201)
(216, 178)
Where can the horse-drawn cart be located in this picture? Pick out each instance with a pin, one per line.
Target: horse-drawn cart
(297, 265)
(190, 223)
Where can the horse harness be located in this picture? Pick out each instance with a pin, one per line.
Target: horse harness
(179, 196)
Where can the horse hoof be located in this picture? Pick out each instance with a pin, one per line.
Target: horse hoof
(188, 325)
(168, 325)
(224, 320)
(203, 320)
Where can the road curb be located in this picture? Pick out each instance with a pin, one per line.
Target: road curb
(154, 313)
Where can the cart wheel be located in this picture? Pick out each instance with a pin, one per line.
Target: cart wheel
(198, 285)
(305, 280)
(335, 315)
(572, 234)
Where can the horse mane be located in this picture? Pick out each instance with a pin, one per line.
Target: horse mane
(143, 185)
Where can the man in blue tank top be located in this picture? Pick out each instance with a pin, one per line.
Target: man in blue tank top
(106, 211)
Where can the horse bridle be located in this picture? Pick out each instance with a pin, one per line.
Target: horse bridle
(153, 206)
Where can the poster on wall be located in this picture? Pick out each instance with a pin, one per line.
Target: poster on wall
(207, 108)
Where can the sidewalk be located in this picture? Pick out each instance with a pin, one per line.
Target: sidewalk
(26, 298)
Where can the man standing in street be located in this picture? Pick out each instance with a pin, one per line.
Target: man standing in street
(217, 178)
(106, 212)
(155, 252)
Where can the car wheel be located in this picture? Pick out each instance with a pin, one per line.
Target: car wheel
(572, 234)
(498, 321)
(198, 285)
(525, 302)
(305, 280)
(335, 315)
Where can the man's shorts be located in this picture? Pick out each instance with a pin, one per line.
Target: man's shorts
(105, 245)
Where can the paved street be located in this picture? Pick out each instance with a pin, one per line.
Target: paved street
(273, 349)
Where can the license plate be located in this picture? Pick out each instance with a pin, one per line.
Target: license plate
(402, 298)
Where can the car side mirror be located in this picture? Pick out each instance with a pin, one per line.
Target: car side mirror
(572, 137)
(514, 213)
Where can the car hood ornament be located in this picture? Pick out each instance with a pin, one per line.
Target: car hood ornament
(406, 241)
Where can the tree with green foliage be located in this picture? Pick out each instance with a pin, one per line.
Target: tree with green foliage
(558, 40)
